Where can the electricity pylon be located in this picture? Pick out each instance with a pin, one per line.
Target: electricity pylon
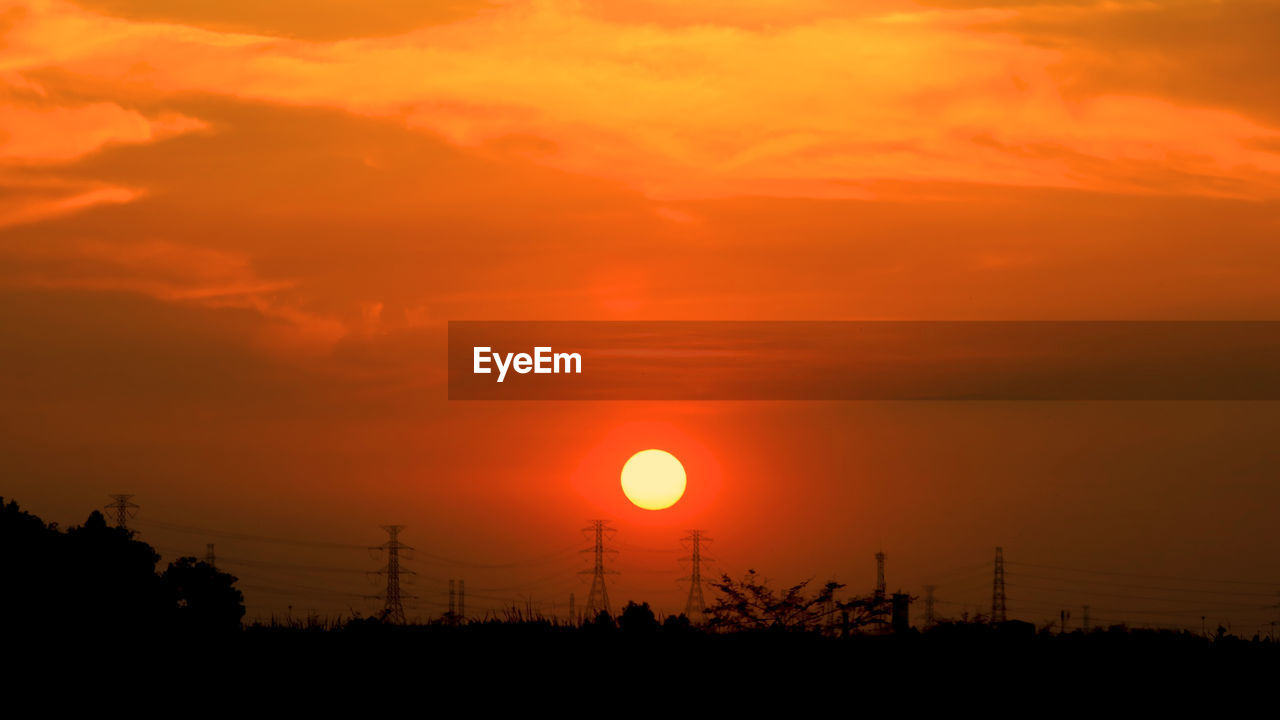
(598, 597)
(393, 609)
(880, 588)
(457, 602)
(695, 608)
(929, 619)
(462, 601)
(122, 509)
(998, 611)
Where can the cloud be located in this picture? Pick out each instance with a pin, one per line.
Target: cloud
(170, 272)
(59, 134)
(556, 162)
(1198, 52)
(22, 201)
(314, 216)
(760, 15)
(304, 19)
(706, 109)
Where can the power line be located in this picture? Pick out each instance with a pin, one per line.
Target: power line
(1144, 587)
(562, 553)
(269, 565)
(426, 557)
(1148, 577)
(963, 572)
(227, 534)
(293, 592)
(1074, 591)
(637, 548)
(562, 576)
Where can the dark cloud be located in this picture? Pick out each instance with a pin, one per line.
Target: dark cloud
(1220, 54)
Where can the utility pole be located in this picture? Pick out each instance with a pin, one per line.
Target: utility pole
(695, 608)
(393, 609)
(122, 510)
(999, 612)
(598, 597)
(928, 605)
(880, 576)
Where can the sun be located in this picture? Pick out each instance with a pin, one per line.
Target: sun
(653, 479)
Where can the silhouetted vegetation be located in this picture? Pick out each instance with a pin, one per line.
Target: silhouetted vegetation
(98, 578)
(206, 599)
(750, 604)
(95, 579)
(638, 619)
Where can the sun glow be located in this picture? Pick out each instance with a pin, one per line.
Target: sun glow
(653, 479)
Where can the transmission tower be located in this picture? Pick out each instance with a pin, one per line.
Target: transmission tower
(1084, 620)
(462, 600)
(122, 509)
(695, 608)
(880, 576)
(598, 597)
(209, 558)
(393, 610)
(998, 610)
(457, 601)
(928, 605)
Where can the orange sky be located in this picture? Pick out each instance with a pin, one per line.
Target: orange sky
(231, 234)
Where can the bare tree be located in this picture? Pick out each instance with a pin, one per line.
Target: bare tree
(750, 604)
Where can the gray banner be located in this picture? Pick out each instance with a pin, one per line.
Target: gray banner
(864, 360)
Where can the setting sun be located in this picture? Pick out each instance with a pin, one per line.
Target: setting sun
(653, 479)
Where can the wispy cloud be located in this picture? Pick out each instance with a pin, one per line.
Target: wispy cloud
(713, 108)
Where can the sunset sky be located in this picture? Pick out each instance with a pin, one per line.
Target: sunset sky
(232, 233)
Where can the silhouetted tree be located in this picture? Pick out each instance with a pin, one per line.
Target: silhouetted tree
(95, 578)
(28, 555)
(109, 578)
(677, 623)
(602, 621)
(637, 618)
(203, 597)
(864, 611)
(750, 604)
